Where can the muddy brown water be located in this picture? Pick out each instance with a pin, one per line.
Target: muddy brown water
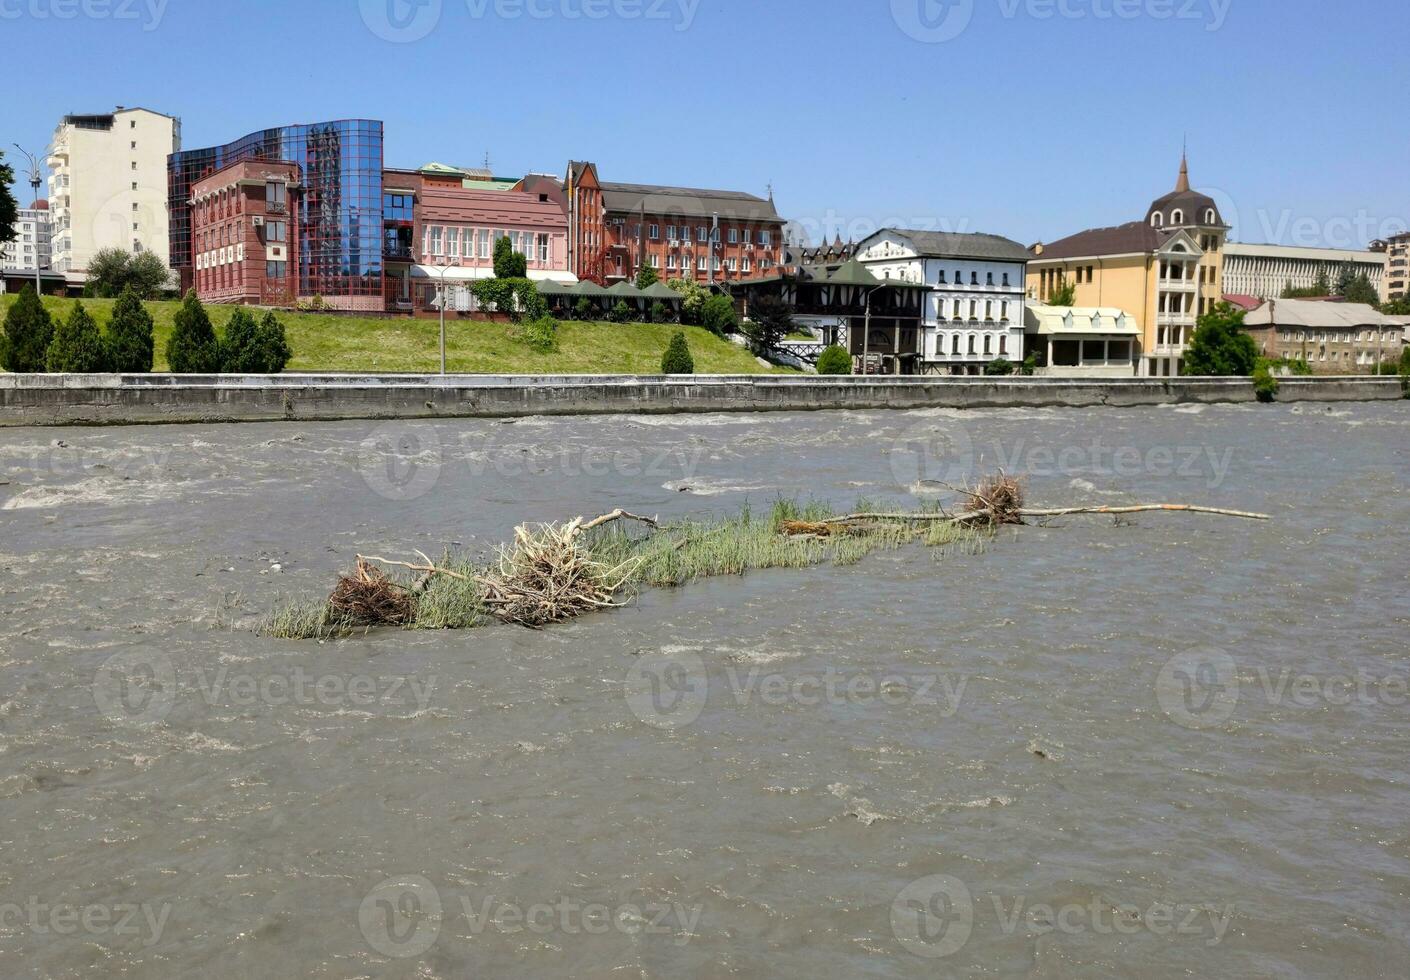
(1169, 746)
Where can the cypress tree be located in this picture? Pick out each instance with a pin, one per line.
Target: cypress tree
(130, 335)
(237, 350)
(77, 346)
(28, 331)
(273, 345)
(677, 359)
(192, 347)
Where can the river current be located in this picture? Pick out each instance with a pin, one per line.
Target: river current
(1160, 746)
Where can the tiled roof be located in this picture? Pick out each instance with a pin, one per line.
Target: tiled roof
(1134, 236)
(1312, 313)
(972, 245)
(687, 202)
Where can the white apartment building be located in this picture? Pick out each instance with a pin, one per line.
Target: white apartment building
(974, 313)
(1265, 271)
(108, 185)
(30, 249)
(1395, 259)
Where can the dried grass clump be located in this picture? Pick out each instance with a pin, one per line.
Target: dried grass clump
(368, 598)
(549, 577)
(998, 500)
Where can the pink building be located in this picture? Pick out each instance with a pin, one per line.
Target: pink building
(441, 224)
(242, 227)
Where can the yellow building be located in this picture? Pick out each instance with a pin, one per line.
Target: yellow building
(1164, 270)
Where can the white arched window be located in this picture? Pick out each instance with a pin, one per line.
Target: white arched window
(1157, 220)
(1177, 217)
(1209, 216)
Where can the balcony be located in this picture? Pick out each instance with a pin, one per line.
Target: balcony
(1178, 285)
(398, 253)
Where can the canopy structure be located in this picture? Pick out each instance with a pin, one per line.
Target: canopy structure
(587, 288)
(660, 291)
(625, 290)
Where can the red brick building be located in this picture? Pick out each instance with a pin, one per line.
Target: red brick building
(683, 233)
(242, 227)
(445, 220)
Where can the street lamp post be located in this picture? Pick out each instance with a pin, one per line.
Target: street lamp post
(34, 183)
(441, 273)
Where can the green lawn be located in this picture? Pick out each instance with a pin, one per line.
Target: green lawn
(335, 343)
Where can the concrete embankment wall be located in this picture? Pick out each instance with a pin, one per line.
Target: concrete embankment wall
(135, 398)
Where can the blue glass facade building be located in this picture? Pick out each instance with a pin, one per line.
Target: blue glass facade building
(340, 230)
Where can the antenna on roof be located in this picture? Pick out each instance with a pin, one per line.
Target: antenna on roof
(771, 190)
(487, 159)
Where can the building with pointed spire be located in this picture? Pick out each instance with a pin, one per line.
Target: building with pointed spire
(1166, 270)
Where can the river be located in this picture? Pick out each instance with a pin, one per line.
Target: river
(1163, 746)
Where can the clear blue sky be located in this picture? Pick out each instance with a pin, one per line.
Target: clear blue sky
(1038, 119)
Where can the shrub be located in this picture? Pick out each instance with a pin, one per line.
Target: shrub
(583, 309)
(130, 335)
(1029, 366)
(112, 271)
(834, 360)
(1265, 386)
(192, 347)
(646, 276)
(254, 348)
(28, 331)
(659, 313)
(540, 335)
(77, 346)
(517, 298)
(1219, 348)
(771, 320)
(999, 367)
(314, 304)
(677, 359)
(717, 316)
(621, 313)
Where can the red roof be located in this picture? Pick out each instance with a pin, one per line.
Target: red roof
(1240, 300)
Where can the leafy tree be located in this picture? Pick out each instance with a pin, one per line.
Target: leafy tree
(621, 313)
(1345, 278)
(1322, 286)
(770, 320)
(583, 308)
(28, 331)
(693, 297)
(646, 276)
(1064, 293)
(717, 316)
(130, 335)
(508, 264)
(834, 360)
(677, 359)
(1219, 347)
(1030, 365)
(192, 347)
(999, 366)
(111, 270)
(659, 313)
(1360, 290)
(1397, 307)
(77, 346)
(9, 210)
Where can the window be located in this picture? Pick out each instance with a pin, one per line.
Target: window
(484, 243)
(436, 242)
(988, 309)
(275, 270)
(942, 277)
(671, 261)
(955, 344)
(747, 236)
(452, 242)
(467, 243)
(700, 234)
(671, 232)
(734, 236)
(1006, 278)
(989, 279)
(1003, 343)
(764, 238)
(275, 194)
(971, 343)
(1157, 219)
(655, 261)
(1209, 218)
(748, 266)
(655, 232)
(274, 231)
(543, 250)
(732, 265)
(1177, 217)
(701, 265)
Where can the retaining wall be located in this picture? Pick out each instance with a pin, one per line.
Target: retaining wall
(147, 398)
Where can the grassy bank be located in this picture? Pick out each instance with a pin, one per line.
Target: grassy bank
(334, 343)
